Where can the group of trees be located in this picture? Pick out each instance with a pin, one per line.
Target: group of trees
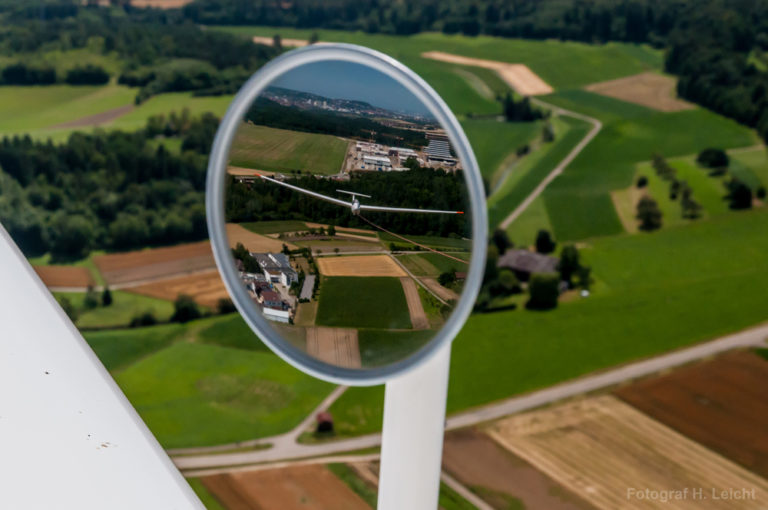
(520, 111)
(691, 209)
(106, 190)
(145, 41)
(429, 188)
(596, 20)
(31, 74)
(91, 300)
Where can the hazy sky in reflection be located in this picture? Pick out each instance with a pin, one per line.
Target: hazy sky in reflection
(345, 80)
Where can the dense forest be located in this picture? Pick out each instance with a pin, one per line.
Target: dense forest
(269, 113)
(717, 47)
(107, 190)
(158, 51)
(426, 188)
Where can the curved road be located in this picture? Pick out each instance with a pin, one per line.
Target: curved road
(284, 446)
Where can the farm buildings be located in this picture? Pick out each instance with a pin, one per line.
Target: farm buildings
(276, 269)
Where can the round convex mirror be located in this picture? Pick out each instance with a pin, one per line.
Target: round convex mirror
(346, 213)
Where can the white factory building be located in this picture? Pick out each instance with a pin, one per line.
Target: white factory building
(377, 162)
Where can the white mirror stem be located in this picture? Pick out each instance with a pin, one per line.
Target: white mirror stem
(412, 437)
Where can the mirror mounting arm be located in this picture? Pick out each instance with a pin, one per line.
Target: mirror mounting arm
(412, 440)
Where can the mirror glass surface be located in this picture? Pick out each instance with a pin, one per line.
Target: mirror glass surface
(347, 215)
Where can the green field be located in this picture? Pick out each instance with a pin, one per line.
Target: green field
(533, 168)
(192, 393)
(371, 302)
(38, 110)
(381, 347)
(430, 264)
(657, 292)
(125, 306)
(578, 202)
(561, 64)
(493, 141)
(751, 167)
(275, 227)
(445, 243)
(280, 150)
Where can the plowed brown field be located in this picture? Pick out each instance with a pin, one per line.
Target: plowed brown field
(415, 308)
(720, 403)
(518, 76)
(609, 454)
(359, 265)
(647, 89)
(336, 346)
(254, 242)
(205, 288)
(64, 276)
(156, 263)
(309, 487)
(477, 461)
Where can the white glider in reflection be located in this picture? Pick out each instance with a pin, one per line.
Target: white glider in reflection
(355, 205)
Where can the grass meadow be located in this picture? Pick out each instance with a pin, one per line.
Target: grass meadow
(280, 150)
(356, 302)
(125, 306)
(656, 292)
(206, 382)
(493, 141)
(275, 227)
(430, 264)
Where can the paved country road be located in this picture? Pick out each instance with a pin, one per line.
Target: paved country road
(284, 447)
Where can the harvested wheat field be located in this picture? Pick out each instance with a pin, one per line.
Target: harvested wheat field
(255, 243)
(308, 487)
(292, 43)
(160, 4)
(415, 308)
(609, 454)
(239, 171)
(720, 403)
(359, 265)
(64, 276)
(518, 76)
(154, 264)
(206, 288)
(336, 346)
(647, 89)
(497, 475)
(437, 289)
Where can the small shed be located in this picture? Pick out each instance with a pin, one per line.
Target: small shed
(524, 263)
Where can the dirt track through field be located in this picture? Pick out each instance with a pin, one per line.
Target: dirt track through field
(156, 263)
(415, 308)
(97, 119)
(64, 276)
(518, 76)
(337, 346)
(477, 461)
(720, 403)
(359, 265)
(255, 243)
(443, 293)
(646, 89)
(607, 453)
(205, 288)
(307, 487)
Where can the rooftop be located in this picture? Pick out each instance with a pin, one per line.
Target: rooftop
(528, 261)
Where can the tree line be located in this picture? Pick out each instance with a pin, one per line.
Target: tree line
(145, 41)
(420, 187)
(107, 190)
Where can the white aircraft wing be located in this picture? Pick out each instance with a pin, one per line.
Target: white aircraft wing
(364, 207)
(310, 193)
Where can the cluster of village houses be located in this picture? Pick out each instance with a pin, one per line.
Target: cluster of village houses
(269, 288)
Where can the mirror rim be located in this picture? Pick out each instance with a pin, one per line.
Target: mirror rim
(216, 221)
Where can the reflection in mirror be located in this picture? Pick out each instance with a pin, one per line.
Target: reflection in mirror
(345, 214)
